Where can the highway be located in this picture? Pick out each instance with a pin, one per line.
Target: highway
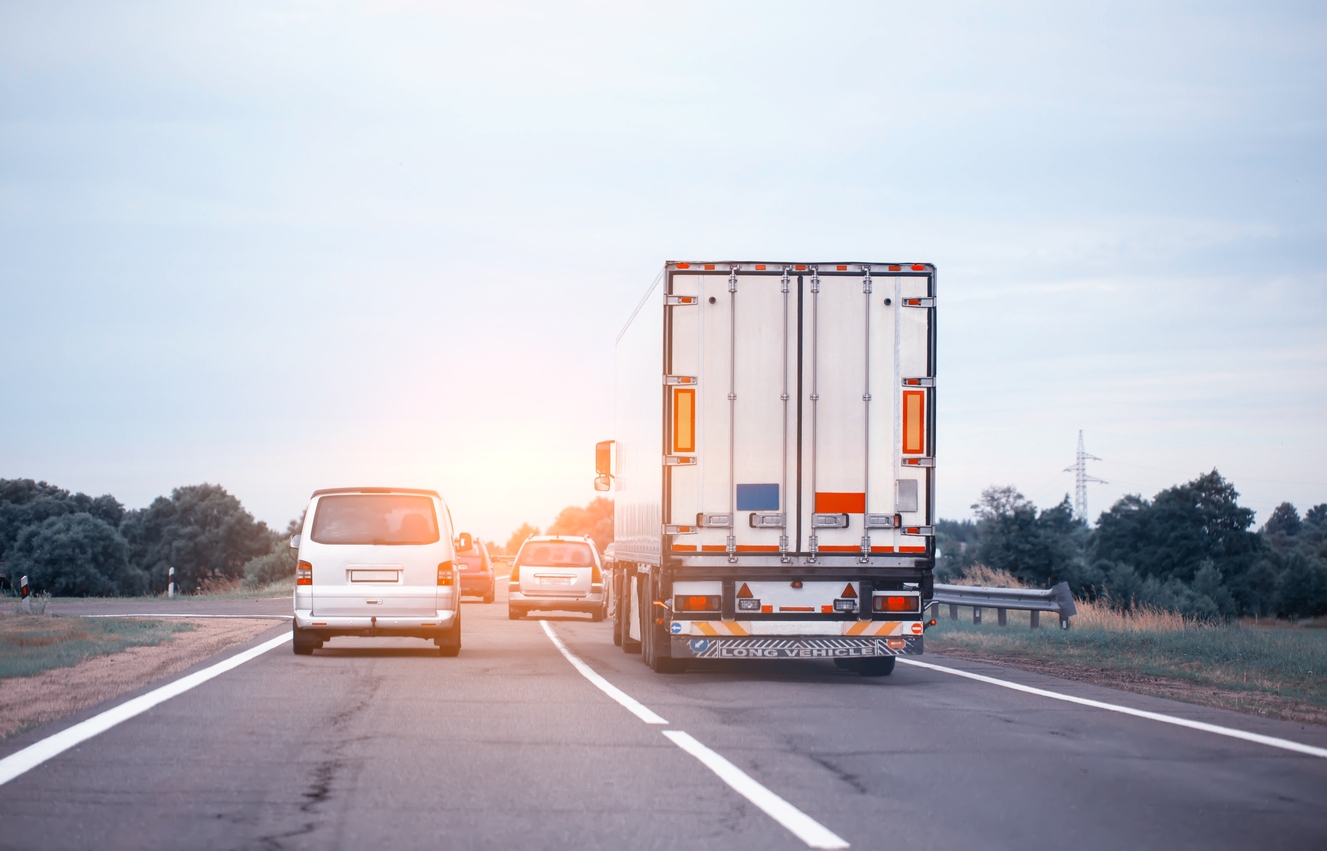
(383, 744)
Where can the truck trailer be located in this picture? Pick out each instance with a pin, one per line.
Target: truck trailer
(773, 467)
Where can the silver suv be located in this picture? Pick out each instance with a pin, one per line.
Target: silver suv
(377, 562)
(557, 572)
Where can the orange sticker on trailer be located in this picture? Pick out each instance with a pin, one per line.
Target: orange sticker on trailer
(914, 422)
(840, 503)
(684, 420)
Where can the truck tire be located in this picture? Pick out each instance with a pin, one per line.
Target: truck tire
(514, 614)
(876, 666)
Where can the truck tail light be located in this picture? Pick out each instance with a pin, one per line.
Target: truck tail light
(895, 603)
(445, 573)
(304, 573)
(696, 603)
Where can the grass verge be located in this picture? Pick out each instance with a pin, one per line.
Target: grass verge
(31, 644)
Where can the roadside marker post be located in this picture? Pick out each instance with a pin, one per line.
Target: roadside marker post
(170, 588)
(23, 587)
(25, 605)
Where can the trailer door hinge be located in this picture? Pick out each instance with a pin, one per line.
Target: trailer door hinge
(679, 300)
(920, 531)
(680, 379)
(829, 521)
(679, 460)
(680, 530)
(918, 462)
(919, 302)
(919, 382)
(880, 521)
(715, 521)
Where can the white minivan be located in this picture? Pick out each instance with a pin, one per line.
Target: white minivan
(377, 562)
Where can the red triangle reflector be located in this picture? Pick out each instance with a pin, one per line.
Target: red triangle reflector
(849, 591)
(745, 591)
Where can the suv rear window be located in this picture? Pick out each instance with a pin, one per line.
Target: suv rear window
(556, 554)
(365, 519)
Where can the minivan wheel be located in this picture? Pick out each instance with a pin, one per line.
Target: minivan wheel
(304, 642)
(514, 614)
(488, 598)
(449, 643)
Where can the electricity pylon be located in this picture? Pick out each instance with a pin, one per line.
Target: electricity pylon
(1082, 479)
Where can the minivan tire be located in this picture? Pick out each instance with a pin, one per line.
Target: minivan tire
(449, 643)
(488, 598)
(514, 614)
(304, 641)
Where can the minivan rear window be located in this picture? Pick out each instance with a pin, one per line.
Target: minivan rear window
(375, 519)
(556, 554)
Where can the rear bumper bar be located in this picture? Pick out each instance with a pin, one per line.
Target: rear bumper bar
(368, 625)
(794, 647)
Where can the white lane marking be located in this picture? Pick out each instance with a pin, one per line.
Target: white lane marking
(805, 828)
(637, 708)
(35, 754)
(1271, 741)
(157, 615)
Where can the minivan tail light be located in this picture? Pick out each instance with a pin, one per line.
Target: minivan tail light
(515, 573)
(445, 573)
(304, 573)
(596, 575)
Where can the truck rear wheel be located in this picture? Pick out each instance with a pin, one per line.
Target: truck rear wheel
(626, 604)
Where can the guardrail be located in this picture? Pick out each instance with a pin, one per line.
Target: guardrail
(1057, 599)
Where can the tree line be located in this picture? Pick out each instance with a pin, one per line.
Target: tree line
(1191, 548)
(72, 544)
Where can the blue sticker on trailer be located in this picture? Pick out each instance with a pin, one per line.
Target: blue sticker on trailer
(676, 628)
(698, 645)
(761, 497)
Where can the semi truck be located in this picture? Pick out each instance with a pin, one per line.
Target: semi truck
(773, 466)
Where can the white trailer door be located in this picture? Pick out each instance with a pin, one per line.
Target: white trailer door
(731, 410)
(866, 431)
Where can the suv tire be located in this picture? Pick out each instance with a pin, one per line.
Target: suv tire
(304, 642)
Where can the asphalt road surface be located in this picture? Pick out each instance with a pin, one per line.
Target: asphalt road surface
(383, 744)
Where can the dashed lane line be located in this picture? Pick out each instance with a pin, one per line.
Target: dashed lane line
(1258, 738)
(636, 708)
(805, 828)
(35, 754)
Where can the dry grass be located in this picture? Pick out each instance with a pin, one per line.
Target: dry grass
(31, 644)
(41, 696)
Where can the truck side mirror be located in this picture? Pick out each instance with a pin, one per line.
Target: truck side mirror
(464, 541)
(603, 465)
(294, 541)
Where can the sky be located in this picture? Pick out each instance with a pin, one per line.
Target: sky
(281, 246)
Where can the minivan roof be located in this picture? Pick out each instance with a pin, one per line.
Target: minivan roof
(376, 490)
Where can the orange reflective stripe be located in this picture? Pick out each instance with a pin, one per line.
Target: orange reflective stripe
(684, 420)
(914, 422)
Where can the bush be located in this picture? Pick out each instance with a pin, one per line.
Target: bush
(1301, 589)
(272, 567)
(75, 555)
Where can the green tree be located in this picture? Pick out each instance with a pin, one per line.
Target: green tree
(1172, 535)
(24, 503)
(76, 555)
(201, 531)
(595, 521)
(518, 537)
(1041, 548)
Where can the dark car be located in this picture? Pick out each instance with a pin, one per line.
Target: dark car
(476, 570)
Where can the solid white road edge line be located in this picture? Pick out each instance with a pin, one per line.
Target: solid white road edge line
(805, 828)
(35, 754)
(637, 708)
(1271, 741)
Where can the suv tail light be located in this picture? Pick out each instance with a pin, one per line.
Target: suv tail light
(596, 575)
(445, 573)
(304, 573)
(696, 603)
(895, 603)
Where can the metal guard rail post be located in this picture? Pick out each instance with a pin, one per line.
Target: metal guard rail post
(1057, 599)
